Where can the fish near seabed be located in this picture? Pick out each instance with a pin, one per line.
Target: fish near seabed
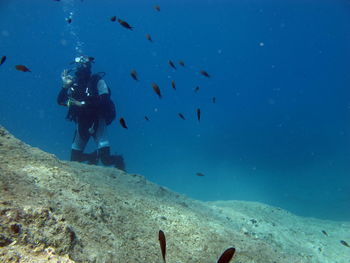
(162, 243)
(113, 18)
(182, 63)
(157, 7)
(325, 233)
(227, 255)
(344, 243)
(156, 90)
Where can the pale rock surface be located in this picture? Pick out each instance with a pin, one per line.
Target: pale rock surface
(57, 211)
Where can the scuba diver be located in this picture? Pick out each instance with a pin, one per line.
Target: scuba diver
(89, 103)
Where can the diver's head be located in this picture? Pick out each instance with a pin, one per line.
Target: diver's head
(83, 67)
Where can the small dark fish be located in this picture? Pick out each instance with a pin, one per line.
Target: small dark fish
(162, 243)
(204, 73)
(122, 123)
(22, 68)
(69, 20)
(133, 74)
(124, 24)
(344, 243)
(156, 90)
(56, 0)
(325, 233)
(91, 59)
(113, 18)
(173, 84)
(196, 89)
(157, 7)
(181, 116)
(148, 36)
(146, 118)
(227, 255)
(2, 60)
(182, 63)
(171, 64)
(199, 174)
(199, 114)
(214, 100)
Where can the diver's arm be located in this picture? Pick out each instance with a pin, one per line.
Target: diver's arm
(103, 90)
(67, 81)
(103, 95)
(62, 97)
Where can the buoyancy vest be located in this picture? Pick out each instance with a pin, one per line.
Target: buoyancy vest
(96, 105)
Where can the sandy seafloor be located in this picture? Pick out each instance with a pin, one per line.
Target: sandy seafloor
(58, 211)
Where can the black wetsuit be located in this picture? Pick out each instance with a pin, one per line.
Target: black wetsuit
(91, 119)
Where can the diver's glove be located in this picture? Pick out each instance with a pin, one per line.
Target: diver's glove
(66, 79)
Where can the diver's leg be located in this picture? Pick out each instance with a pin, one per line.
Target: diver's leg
(104, 150)
(100, 137)
(81, 138)
(108, 159)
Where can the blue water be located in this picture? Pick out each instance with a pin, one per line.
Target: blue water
(279, 132)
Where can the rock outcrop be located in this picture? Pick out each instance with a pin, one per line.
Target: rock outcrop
(58, 211)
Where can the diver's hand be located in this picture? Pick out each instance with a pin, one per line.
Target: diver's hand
(66, 79)
(74, 102)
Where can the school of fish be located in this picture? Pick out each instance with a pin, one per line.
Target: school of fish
(171, 63)
(133, 73)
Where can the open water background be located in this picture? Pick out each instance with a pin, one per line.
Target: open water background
(279, 132)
